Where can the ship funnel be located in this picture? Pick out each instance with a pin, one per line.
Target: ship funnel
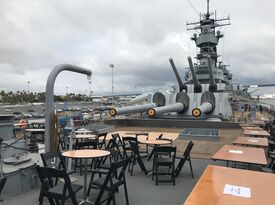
(212, 83)
(181, 85)
(197, 85)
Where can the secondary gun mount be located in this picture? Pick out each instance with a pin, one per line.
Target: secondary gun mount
(207, 104)
(181, 105)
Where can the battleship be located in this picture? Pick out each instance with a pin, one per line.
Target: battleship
(208, 91)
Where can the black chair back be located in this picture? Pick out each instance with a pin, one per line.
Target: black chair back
(164, 156)
(136, 155)
(117, 144)
(184, 158)
(164, 149)
(117, 138)
(188, 149)
(56, 191)
(159, 137)
(53, 159)
(110, 183)
(112, 148)
(119, 169)
(127, 146)
(101, 140)
(89, 144)
(2, 183)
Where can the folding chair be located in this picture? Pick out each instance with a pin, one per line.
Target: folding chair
(184, 158)
(101, 140)
(114, 178)
(56, 192)
(164, 156)
(2, 183)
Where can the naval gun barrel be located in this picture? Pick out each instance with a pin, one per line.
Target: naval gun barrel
(197, 85)
(207, 104)
(176, 107)
(212, 83)
(181, 85)
(180, 106)
(131, 109)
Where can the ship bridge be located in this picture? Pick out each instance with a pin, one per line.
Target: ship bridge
(207, 40)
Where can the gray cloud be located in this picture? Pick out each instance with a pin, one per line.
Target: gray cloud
(137, 36)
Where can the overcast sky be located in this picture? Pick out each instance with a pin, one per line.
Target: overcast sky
(137, 36)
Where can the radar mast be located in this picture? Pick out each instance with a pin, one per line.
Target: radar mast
(207, 38)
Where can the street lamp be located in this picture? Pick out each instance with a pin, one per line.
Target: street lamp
(29, 86)
(112, 67)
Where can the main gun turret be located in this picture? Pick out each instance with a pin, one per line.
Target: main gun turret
(180, 106)
(207, 104)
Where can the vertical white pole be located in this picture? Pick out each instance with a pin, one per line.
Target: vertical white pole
(72, 136)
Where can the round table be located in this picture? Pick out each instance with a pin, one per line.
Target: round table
(154, 142)
(34, 130)
(85, 154)
(85, 136)
(84, 131)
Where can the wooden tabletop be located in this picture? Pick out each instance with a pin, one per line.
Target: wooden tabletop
(86, 153)
(259, 122)
(253, 128)
(136, 133)
(256, 133)
(83, 131)
(35, 130)
(166, 135)
(235, 153)
(247, 125)
(154, 142)
(85, 136)
(259, 142)
(209, 188)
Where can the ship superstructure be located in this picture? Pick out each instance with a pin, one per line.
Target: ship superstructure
(207, 38)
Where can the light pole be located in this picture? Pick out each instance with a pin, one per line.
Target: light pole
(112, 67)
(89, 92)
(29, 86)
